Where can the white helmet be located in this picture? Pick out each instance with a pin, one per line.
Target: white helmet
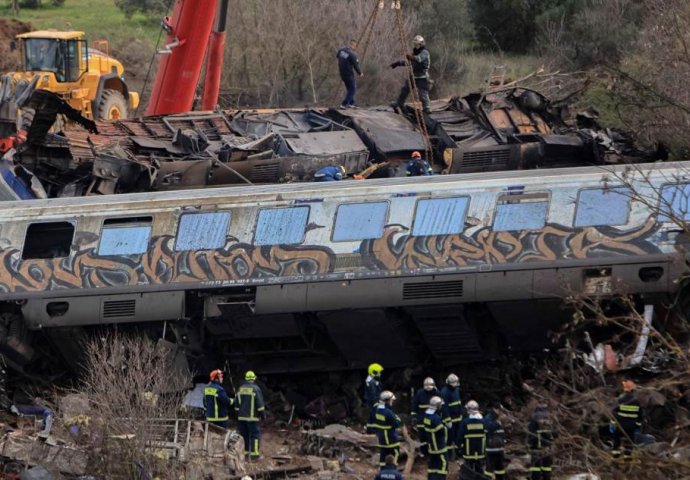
(436, 402)
(429, 384)
(453, 380)
(418, 39)
(386, 395)
(472, 406)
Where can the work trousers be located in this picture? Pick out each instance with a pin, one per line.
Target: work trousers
(351, 89)
(423, 89)
(395, 451)
(476, 465)
(437, 467)
(220, 423)
(623, 438)
(423, 439)
(496, 464)
(540, 467)
(453, 436)
(251, 434)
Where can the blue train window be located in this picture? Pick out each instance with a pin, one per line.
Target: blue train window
(521, 212)
(125, 236)
(440, 216)
(675, 203)
(281, 226)
(602, 206)
(359, 221)
(202, 231)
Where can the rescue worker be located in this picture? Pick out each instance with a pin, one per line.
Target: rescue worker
(472, 438)
(418, 167)
(452, 410)
(249, 404)
(372, 385)
(348, 64)
(331, 173)
(384, 423)
(217, 403)
(495, 444)
(627, 421)
(539, 440)
(35, 410)
(389, 471)
(420, 404)
(420, 61)
(437, 435)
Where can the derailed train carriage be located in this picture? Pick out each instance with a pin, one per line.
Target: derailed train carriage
(306, 276)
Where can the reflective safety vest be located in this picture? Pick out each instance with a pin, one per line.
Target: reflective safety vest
(472, 439)
(383, 422)
(249, 401)
(216, 402)
(452, 404)
(436, 432)
(628, 412)
(539, 435)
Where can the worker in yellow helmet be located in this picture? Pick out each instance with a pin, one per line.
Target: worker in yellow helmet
(249, 405)
(372, 385)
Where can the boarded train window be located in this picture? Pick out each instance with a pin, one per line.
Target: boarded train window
(202, 231)
(440, 216)
(675, 203)
(602, 206)
(48, 240)
(521, 212)
(281, 226)
(125, 236)
(359, 221)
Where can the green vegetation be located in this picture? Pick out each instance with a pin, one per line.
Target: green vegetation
(100, 19)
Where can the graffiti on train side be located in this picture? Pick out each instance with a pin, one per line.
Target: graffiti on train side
(398, 250)
(161, 265)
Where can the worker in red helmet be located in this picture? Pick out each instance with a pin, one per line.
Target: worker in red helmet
(216, 400)
(417, 166)
(627, 421)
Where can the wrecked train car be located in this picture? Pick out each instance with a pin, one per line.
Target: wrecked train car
(298, 276)
(506, 129)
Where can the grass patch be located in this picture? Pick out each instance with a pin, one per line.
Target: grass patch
(100, 19)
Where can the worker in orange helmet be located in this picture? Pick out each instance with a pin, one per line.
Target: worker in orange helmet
(417, 166)
(627, 416)
(216, 400)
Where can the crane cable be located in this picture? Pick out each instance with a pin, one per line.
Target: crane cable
(416, 100)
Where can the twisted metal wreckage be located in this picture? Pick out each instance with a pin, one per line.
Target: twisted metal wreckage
(512, 128)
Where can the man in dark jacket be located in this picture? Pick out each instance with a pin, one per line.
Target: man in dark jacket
(452, 409)
(216, 400)
(331, 173)
(539, 440)
(372, 385)
(472, 438)
(385, 423)
(437, 436)
(348, 64)
(390, 471)
(495, 444)
(628, 418)
(420, 61)
(420, 404)
(249, 405)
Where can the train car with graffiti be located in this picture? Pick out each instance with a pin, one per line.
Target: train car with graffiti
(334, 275)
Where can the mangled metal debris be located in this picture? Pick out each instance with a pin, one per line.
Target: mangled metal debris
(513, 128)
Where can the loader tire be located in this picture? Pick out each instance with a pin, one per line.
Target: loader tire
(112, 106)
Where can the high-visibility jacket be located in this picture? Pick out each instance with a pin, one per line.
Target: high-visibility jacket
(495, 435)
(472, 438)
(539, 433)
(384, 422)
(421, 402)
(628, 412)
(452, 404)
(216, 402)
(436, 432)
(249, 402)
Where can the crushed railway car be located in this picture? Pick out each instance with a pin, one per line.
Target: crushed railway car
(306, 276)
(508, 129)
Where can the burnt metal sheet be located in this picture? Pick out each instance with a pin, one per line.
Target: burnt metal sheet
(256, 125)
(384, 132)
(325, 143)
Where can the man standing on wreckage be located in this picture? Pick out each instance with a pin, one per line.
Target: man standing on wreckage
(420, 61)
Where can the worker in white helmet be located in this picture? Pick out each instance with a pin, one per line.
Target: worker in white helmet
(420, 61)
